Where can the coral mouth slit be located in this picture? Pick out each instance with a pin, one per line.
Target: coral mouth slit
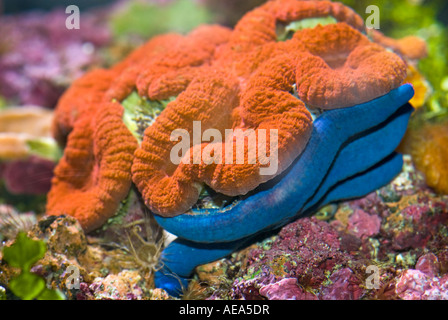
(286, 31)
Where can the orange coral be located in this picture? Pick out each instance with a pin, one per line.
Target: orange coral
(411, 48)
(227, 79)
(344, 68)
(94, 174)
(171, 73)
(129, 69)
(80, 100)
(255, 35)
(158, 179)
(428, 146)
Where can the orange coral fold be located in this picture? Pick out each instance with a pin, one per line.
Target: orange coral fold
(342, 67)
(94, 174)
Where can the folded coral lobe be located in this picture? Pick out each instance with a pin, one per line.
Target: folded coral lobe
(80, 100)
(94, 176)
(341, 67)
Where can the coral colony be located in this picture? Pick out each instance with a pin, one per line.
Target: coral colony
(221, 142)
(281, 60)
(226, 79)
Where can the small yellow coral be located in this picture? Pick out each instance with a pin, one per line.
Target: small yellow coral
(421, 86)
(428, 146)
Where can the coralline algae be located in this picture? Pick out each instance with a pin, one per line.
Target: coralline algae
(398, 231)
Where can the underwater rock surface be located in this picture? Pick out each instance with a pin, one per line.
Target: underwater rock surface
(405, 242)
(308, 259)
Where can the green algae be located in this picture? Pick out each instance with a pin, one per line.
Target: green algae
(122, 211)
(286, 32)
(22, 254)
(147, 19)
(46, 148)
(140, 113)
